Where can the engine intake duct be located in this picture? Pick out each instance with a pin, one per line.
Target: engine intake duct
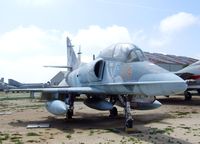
(92, 72)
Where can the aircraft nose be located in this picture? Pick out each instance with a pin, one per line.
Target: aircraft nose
(162, 84)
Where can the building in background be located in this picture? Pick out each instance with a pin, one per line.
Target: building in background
(58, 78)
(170, 62)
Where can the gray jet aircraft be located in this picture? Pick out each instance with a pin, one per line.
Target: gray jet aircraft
(120, 75)
(4, 86)
(17, 84)
(191, 74)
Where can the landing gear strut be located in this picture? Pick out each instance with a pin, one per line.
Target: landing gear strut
(128, 116)
(70, 102)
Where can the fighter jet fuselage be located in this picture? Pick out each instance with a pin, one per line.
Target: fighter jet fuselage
(131, 74)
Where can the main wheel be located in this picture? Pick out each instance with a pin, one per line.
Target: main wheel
(69, 114)
(129, 123)
(188, 96)
(198, 91)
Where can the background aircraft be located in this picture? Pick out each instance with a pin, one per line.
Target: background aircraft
(191, 74)
(4, 86)
(120, 75)
(27, 85)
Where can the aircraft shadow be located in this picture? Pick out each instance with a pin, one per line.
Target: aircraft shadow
(86, 121)
(179, 100)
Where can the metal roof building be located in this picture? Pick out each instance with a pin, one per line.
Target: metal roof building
(170, 62)
(58, 78)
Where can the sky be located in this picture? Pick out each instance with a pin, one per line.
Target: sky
(33, 32)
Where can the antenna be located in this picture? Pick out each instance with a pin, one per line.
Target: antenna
(79, 54)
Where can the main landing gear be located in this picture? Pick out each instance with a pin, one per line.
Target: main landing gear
(70, 101)
(125, 101)
(128, 116)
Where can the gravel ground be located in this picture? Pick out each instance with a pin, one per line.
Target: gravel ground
(176, 121)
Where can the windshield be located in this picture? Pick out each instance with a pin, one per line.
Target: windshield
(123, 52)
(132, 57)
(136, 55)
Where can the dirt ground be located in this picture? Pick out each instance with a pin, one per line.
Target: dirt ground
(176, 121)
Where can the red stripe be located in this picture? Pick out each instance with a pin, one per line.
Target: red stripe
(195, 77)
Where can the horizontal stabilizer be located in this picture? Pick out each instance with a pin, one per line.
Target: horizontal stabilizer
(59, 67)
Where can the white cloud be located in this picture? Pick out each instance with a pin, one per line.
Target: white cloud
(169, 29)
(30, 69)
(30, 41)
(20, 39)
(95, 38)
(139, 36)
(177, 22)
(25, 50)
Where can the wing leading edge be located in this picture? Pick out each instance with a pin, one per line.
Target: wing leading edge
(78, 90)
(93, 89)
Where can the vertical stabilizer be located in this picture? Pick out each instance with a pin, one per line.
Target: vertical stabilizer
(72, 60)
(14, 83)
(2, 80)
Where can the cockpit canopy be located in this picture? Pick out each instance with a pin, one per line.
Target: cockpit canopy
(123, 52)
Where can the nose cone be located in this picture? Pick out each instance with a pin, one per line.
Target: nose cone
(162, 84)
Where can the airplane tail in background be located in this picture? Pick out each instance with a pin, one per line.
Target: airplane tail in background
(2, 80)
(72, 60)
(14, 83)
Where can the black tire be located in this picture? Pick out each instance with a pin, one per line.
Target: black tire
(129, 123)
(188, 95)
(69, 114)
(113, 112)
(198, 91)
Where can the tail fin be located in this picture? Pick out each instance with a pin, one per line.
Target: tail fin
(72, 60)
(2, 80)
(14, 83)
